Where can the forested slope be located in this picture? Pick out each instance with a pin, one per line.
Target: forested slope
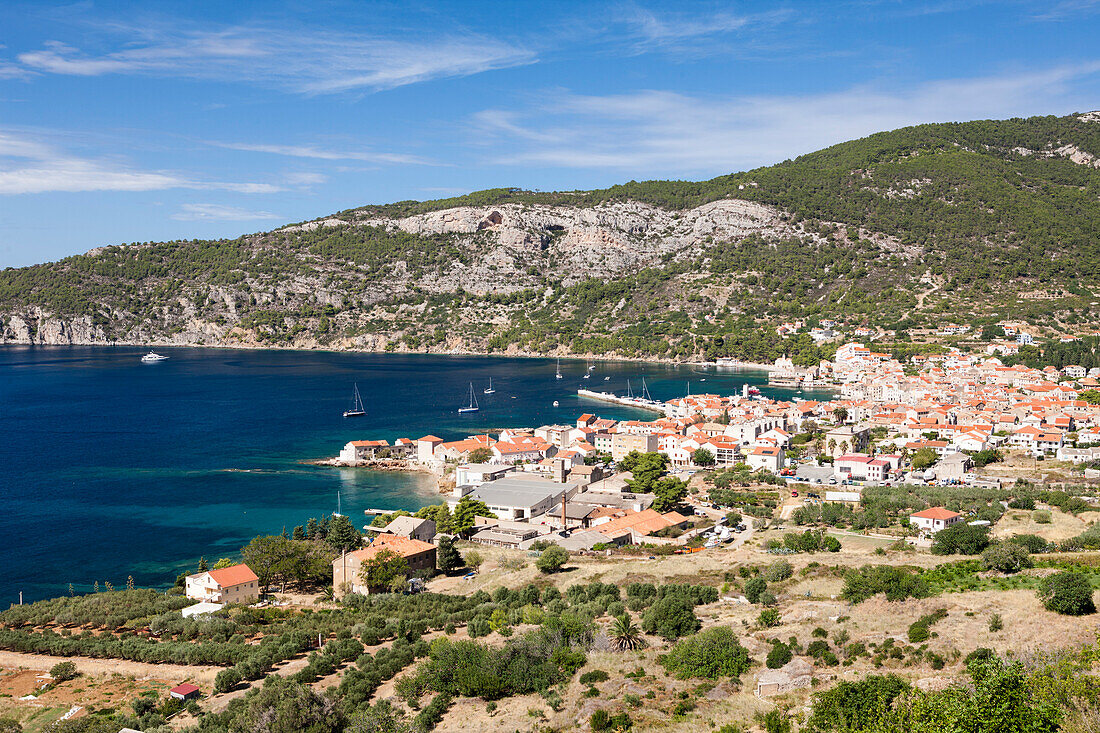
(963, 222)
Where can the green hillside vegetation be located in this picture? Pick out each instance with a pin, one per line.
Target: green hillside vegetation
(901, 230)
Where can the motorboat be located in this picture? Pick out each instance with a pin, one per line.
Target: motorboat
(153, 356)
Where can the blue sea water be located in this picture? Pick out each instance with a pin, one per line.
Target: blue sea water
(110, 467)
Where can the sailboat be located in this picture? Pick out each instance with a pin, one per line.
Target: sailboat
(473, 402)
(489, 389)
(338, 507)
(558, 373)
(588, 370)
(645, 392)
(357, 409)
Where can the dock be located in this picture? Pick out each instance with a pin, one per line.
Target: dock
(636, 402)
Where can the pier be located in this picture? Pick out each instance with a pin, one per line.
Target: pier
(638, 402)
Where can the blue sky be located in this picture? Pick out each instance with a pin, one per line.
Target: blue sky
(124, 122)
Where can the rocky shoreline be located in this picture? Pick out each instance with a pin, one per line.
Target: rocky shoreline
(375, 464)
(508, 354)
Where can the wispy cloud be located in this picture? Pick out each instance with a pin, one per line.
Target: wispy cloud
(310, 151)
(1066, 9)
(218, 212)
(666, 133)
(28, 166)
(302, 61)
(667, 28)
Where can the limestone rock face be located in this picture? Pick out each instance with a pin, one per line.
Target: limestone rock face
(42, 327)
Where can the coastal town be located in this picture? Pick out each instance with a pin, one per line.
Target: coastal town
(942, 419)
(695, 367)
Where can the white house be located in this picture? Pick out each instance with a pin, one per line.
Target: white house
(934, 519)
(767, 458)
(234, 584)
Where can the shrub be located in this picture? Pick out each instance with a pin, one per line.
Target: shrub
(775, 721)
(596, 675)
(960, 539)
(897, 583)
(979, 655)
(1022, 502)
(1041, 516)
(778, 571)
(754, 588)
(996, 623)
(433, 712)
(712, 654)
(226, 680)
(603, 721)
(1068, 593)
(768, 618)
(1006, 557)
(855, 706)
(552, 559)
(919, 629)
(63, 671)
(779, 655)
(671, 617)
(1033, 543)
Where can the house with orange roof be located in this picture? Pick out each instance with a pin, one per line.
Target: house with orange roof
(362, 450)
(234, 584)
(418, 555)
(767, 458)
(934, 519)
(638, 525)
(425, 448)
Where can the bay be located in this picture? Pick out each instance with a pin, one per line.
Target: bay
(110, 467)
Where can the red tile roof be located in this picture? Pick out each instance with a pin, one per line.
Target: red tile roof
(233, 575)
(936, 512)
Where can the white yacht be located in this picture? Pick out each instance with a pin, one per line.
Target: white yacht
(153, 356)
(472, 407)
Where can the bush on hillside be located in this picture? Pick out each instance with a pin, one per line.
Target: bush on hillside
(1006, 557)
(1067, 593)
(961, 539)
(870, 580)
(713, 653)
(670, 617)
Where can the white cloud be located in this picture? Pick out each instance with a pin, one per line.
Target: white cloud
(665, 133)
(218, 212)
(304, 61)
(29, 166)
(309, 151)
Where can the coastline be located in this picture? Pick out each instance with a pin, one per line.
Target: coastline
(735, 364)
(444, 483)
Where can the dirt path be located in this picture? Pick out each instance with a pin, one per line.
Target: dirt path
(201, 675)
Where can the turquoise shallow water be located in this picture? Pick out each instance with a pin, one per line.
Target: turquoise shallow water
(110, 467)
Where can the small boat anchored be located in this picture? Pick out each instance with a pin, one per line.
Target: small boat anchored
(555, 403)
(357, 409)
(153, 356)
(588, 371)
(489, 389)
(558, 373)
(472, 407)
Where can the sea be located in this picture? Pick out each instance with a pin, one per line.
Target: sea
(112, 468)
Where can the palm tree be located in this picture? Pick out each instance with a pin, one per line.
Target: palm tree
(840, 414)
(832, 445)
(625, 635)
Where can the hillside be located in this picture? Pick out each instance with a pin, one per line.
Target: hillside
(962, 222)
